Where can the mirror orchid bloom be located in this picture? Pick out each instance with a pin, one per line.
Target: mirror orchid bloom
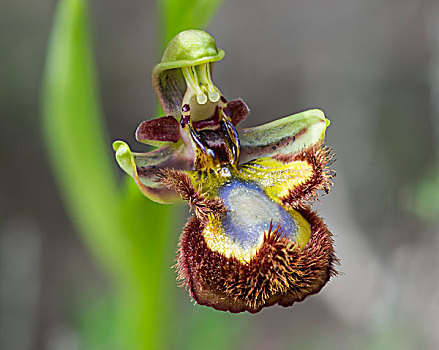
(253, 240)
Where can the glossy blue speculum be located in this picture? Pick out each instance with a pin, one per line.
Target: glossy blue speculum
(250, 212)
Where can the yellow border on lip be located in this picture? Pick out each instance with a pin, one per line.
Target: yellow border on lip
(217, 240)
(275, 177)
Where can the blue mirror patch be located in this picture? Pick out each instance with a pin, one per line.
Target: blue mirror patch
(250, 213)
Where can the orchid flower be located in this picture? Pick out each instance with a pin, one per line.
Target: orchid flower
(253, 240)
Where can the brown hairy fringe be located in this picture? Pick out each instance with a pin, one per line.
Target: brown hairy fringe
(181, 183)
(279, 273)
(320, 157)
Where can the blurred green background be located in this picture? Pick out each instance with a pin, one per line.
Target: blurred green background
(86, 261)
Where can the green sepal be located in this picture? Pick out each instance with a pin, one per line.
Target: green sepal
(287, 135)
(124, 157)
(144, 167)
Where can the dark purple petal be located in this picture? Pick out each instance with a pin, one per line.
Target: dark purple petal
(166, 129)
(237, 111)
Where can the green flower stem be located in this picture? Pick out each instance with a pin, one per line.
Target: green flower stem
(76, 143)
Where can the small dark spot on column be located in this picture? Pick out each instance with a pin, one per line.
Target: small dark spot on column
(185, 108)
(184, 120)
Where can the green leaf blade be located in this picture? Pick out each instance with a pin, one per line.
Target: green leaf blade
(73, 129)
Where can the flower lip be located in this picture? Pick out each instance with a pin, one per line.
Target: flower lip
(278, 274)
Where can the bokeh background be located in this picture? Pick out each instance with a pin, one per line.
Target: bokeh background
(372, 66)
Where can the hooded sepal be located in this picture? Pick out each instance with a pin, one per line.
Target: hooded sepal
(187, 49)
